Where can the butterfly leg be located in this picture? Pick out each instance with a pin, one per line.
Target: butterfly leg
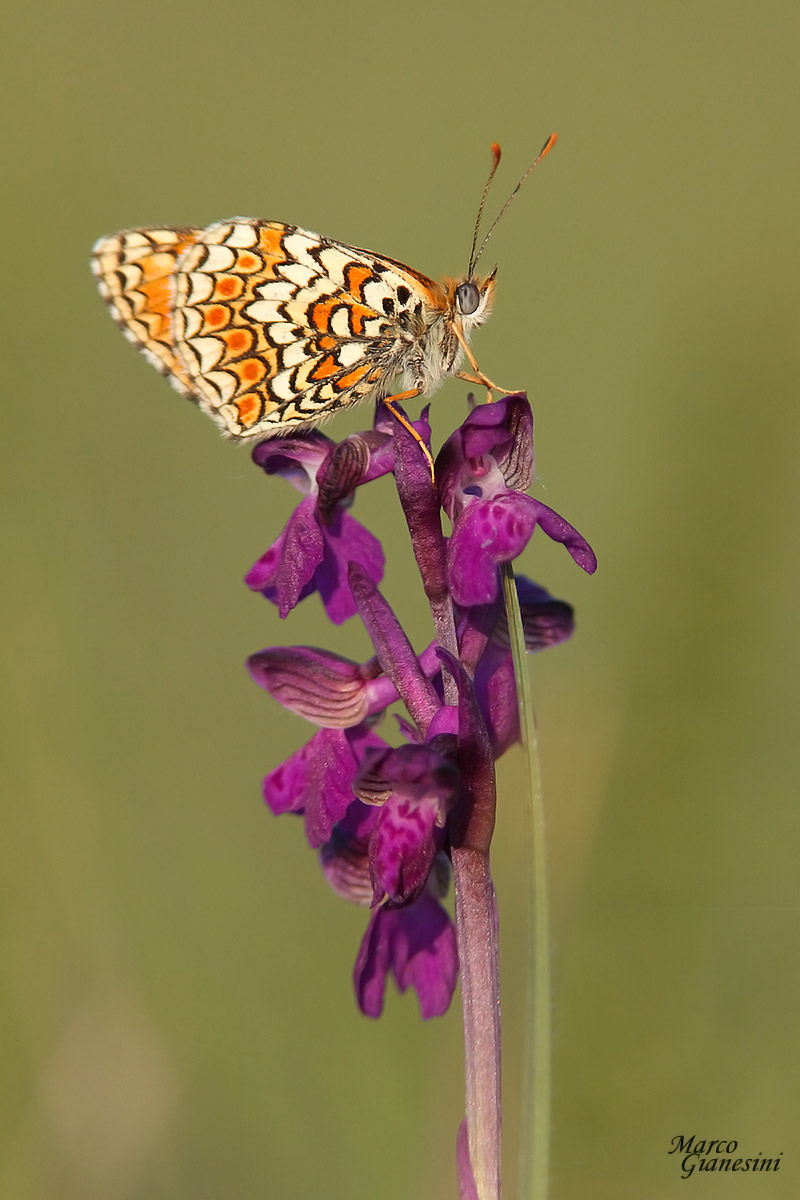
(390, 404)
(479, 378)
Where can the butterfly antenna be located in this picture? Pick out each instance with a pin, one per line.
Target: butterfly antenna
(488, 184)
(545, 150)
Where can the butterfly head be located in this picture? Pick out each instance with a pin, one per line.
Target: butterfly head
(471, 299)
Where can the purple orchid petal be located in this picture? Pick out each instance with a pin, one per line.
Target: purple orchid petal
(561, 531)
(509, 423)
(386, 422)
(320, 686)
(546, 621)
(492, 450)
(416, 787)
(417, 945)
(285, 573)
(472, 823)
(286, 787)
(346, 541)
(445, 723)
(408, 730)
(417, 773)
(297, 459)
(317, 780)
(496, 692)
(309, 556)
(340, 474)
(489, 532)
(483, 631)
(345, 857)
(402, 849)
(382, 457)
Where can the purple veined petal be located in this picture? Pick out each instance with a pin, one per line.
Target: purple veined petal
(560, 530)
(345, 857)
(286, 787)
(509, 421)
(321, 773)
(491, 532)
(402, 849)
(491, 450)
(496, 693)
(417, 772)
(309, 556)
(322, 687)
(417, 945)
(546, 621)
(346, 540)
(297, 459)
(429, 660)
(261, 576)
(445, 722)
(467, 1188)
(340, 474)
(472, 823)
(486, 533)
(285, 573)
(380, 441)
(416, 786)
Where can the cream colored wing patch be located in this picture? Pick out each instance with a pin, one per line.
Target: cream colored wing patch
(278, 328)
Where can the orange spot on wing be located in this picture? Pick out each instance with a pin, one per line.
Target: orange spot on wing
(355, 277)
(328, 366)
(216, 316)
(352, 377)
(158, 304)
(320, 315)
(228, 288)
(158, 293)
(249, 408)
(250, 371)
(245, 261)
(269, 241)
(238, 340)
(358, 313)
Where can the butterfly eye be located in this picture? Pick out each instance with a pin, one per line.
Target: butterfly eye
(467, 298)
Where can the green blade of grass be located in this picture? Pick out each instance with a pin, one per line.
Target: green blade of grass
(535, 1125)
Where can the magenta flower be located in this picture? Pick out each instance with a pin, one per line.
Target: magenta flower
(393, 823)
(480, 470)
(416, 943)
(320, 538)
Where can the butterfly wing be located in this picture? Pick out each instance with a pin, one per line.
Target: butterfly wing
(278, 328)
(267, 326)
(135, 273)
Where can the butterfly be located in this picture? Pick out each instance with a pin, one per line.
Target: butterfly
(271, 328)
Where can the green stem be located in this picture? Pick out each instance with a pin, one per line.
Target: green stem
(536, 1100)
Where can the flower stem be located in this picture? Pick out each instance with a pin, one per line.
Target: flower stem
(477, 935)
(536, 1100)
(476, 922)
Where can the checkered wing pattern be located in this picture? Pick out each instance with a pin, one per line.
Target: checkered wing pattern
(268, 326)
(135, 273)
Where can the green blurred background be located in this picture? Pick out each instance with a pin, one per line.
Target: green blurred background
(180, 1019)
